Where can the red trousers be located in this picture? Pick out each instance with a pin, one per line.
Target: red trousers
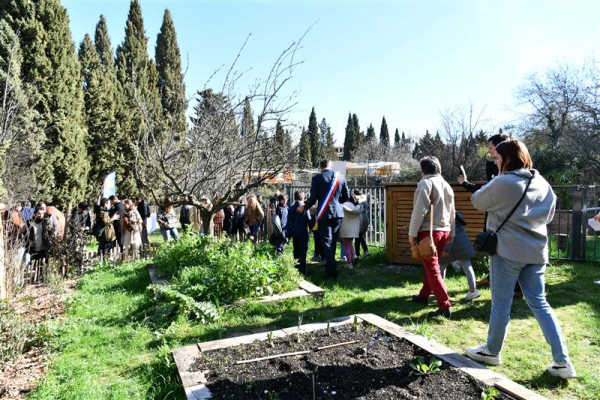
(433, 282)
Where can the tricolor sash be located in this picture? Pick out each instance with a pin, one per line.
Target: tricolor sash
(335, 182)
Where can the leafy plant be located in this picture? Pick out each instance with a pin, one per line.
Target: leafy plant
(16, 334)
(299, 326)
(204, 311)
(270, 339)
(328, 329)
(355, 324)
(490, 393)
(423, 368)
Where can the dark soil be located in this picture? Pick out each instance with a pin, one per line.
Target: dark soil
(376, 367)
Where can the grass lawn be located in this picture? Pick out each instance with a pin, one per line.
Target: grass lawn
(115, 341)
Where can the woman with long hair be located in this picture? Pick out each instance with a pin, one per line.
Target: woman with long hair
(522, 203)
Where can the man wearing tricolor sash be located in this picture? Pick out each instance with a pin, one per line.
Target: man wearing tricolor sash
(330, 190)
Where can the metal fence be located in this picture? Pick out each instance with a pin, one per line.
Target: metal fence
(570, 236)
(375, 235)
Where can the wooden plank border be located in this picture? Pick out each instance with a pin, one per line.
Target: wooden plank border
(194, 383)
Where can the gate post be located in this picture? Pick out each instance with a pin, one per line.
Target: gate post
(579, 223)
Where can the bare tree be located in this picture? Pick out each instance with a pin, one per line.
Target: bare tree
(214, 160)
(561, 121)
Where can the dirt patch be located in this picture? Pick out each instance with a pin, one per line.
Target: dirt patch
(36, 303)
(376, 366)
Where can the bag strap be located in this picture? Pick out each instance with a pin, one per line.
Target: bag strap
(520, 200)
(431, 222)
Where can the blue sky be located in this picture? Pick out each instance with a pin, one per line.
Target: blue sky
(406, 60)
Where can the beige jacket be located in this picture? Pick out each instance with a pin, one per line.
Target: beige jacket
(432, 189)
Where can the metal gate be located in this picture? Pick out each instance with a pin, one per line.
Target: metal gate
(375, 235)
(570, 236)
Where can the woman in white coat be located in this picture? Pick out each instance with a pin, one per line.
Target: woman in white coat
(350, 228)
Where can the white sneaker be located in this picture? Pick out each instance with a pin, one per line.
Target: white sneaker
(342, 258)
(349, 266)
(565, 371)
(366, 254)
(316, 258)
(482, 354)
(471, 296)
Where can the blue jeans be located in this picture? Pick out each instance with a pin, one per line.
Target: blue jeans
(169, 233)
(503, 277)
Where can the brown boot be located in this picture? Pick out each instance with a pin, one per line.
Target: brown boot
(484, 282)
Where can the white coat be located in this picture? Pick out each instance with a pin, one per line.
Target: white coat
(351, 222)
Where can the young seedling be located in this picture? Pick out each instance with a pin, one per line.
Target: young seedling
(328, 330)
(270, 339)
(299, 326)
(490, 393)
(355, 328)
(422, 368)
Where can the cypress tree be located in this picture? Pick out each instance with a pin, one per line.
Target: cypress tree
(316, 146)
(384, 135)
(370, 133)
(358, 135)
(279, 137)
(403, 140)
(397, 139)
(138, 78)
(349, 140)
(63, 169)
(304, 156)
(328, 142)
(18, 120)
(101, 98)
(170, 77)
(287, 142)
(247, 128)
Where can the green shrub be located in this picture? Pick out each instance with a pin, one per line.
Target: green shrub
(17, 335)
(207, 269)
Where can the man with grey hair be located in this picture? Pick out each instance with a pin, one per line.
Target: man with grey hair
(433, 193)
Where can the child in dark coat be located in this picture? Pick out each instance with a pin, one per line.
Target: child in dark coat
(282, 213)
(297, 229)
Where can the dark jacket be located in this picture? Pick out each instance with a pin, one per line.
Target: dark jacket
(117, 208)
(47, 234)
(143, 209)
(81, 221)
(282, 213)
(491, 171)
(185, 215)
(318, 190)
(103, 220)
(460, 248)
(297, 224)
(228, 219)
(238, 217)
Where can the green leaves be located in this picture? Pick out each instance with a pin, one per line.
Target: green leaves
(423, 368)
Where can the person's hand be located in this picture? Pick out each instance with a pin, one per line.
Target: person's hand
(597, 217)
(412, 240)
(461, 179)
(450, 238)
(300, 209)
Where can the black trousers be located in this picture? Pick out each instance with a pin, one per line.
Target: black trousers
(300, 249)
(358, 242)
(318, 245)
(329, 230)
(145, 240)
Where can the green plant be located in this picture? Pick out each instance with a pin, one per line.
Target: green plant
(423, 368)
(490, 393)
(355, 324)
(328, 329)
(204, 311)
(421, 328)
(17, 335)
(270, 339)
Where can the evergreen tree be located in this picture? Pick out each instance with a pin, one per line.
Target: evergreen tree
(328, 142)
(359, 136)
(247, 128)
(370, 133)
(384, 135)
(287, 142)
(279, 137)
(63, 169)
(397, 142)
(170, 77)
(304, 156)
(403, 140)
(316, 145)
(138, 79)
(349, 140)
(101, 102)
(19, 130)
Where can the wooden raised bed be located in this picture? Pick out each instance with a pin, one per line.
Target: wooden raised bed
(195, 382)
(305, 289)
(399, 206)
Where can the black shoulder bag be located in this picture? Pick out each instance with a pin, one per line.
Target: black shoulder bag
(486, 242)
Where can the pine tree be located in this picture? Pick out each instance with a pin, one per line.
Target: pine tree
(279, 137)
(170, 77)
(397, 139)
(101, 102)
(304, 156)
(370, 133)
(359, 137)
(138, 80)
(316, 146)
(349, 140)
(384, 135)
(63, 169)
(247, 128)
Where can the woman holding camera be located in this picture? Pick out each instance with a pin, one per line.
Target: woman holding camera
(521, 252)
